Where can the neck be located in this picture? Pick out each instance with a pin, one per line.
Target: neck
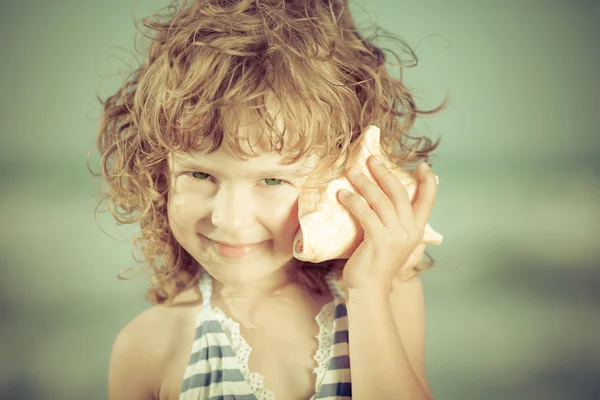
(273, 284)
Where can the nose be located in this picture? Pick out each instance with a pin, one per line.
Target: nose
(233, 209)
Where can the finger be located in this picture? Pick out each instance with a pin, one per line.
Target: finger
(376, 198)
(367, 218)
(394, 189)
(427, 191)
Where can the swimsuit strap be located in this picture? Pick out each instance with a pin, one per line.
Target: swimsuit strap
(205, 284)
(332, 279)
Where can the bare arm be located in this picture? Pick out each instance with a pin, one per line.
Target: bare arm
(379, 362)
(408, 307)
(134, 372)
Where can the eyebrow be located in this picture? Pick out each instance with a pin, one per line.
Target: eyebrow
(280, 171)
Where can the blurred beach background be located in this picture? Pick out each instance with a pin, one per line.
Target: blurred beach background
(513, 310)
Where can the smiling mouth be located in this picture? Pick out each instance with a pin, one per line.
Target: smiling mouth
(235, 245)
(234, 252)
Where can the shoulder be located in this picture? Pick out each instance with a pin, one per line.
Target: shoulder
(143, 348)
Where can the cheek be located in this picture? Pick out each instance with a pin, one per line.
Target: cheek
(183, 208)
(286, 213)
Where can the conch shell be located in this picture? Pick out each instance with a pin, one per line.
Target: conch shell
(327, 229)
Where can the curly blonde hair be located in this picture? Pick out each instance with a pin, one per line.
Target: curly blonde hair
(210, 56)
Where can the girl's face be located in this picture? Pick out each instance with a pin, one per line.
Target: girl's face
(217, 197)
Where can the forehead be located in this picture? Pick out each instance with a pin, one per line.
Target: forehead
(253, 135)
(252, 130)
(226, 160)
(269, 160)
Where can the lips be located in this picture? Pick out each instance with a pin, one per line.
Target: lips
(234, 245)
(229, 251)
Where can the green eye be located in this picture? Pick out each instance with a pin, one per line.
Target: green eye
(194, 174)
(270, 182)
(274, 179)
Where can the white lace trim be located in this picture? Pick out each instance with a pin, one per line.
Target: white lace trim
(242, 349)
(325, 339)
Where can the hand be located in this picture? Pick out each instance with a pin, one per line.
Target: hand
(393, 228)
(409, 270)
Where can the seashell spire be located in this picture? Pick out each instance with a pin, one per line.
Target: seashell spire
(327, 229)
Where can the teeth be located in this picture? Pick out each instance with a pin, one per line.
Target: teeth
(327, 229)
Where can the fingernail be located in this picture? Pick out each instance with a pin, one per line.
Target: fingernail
(378, 159)
(426, 166)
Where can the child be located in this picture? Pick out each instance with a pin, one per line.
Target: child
(207, 145)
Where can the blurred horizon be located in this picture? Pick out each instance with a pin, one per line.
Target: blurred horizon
(512, 311)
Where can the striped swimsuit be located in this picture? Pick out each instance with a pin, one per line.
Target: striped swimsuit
(218, 364)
